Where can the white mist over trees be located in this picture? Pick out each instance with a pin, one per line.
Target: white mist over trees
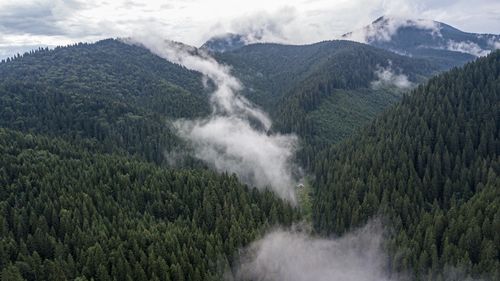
(229, 139)
(388, 77)
(296, 256)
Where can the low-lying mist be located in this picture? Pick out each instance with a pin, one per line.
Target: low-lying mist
(235, 138)
(297, 256)
(388, 77)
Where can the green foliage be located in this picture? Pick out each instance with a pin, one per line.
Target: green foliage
(321, 92)
(305, 199)
(84, 194)
(272, 72)
(431, 166)
(67, 213)
(114, 95)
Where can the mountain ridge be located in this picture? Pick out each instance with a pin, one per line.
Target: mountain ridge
(428, 39)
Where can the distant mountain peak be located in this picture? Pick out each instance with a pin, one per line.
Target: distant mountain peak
(225, 42)
(384, 28)
(426, 39)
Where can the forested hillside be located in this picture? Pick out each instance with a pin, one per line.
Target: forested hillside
(271, 71)
(68, 214)
(323, 92)
(84, 193)
(430, 166)
(113, 94)
(120, 97)
(84, 136)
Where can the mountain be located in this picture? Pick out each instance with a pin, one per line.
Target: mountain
(226, 42)
(430, 166)
(110, 93)
(91, 189)
(113, 95)
(325, 91)
(88, 191)
(72, 214)
(426, 39)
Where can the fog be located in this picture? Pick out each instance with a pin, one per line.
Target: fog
(467, 47)
(235, 138)
(388, 77)
(297, 256)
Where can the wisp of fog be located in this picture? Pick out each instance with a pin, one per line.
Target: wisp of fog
(388, 77)
(296, 256)
(228, 139)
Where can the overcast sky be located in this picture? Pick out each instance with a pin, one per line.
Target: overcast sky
(25, 24)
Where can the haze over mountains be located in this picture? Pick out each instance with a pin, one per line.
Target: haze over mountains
(417, 38)
(147, 159)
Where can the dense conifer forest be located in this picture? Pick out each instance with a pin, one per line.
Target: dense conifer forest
(430, 166)
(88, 192)
(69, 214)
(117, 96)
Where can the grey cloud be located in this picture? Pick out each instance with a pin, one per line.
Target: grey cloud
(296, 22)
(38, 18)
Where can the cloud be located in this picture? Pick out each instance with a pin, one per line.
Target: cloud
(194, 21)
(383, 29)
(231, 144)
(37, 17)
(280, 26)
(494, 42)
(388, 77)
(466, 47)
(235, 137)
(297, 256)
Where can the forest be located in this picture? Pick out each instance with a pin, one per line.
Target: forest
(88, 190)
(430, 165)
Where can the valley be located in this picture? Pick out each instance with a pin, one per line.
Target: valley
(140, 158)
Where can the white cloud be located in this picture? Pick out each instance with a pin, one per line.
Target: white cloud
(467, 47)
(292, 255)
(388, 77)
(235, 137)
(383, 30)
(194, 21)
(296, 256)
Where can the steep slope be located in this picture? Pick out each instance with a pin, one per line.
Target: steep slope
(120, 97)
(116, 95)
(431, 166)
(323, 92)
(84, 195)
(272, 70)
(428, 39)
(69, 214)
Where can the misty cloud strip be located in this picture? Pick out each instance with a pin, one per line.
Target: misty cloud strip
(226, 139)
(296, 256)
(388, 77)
